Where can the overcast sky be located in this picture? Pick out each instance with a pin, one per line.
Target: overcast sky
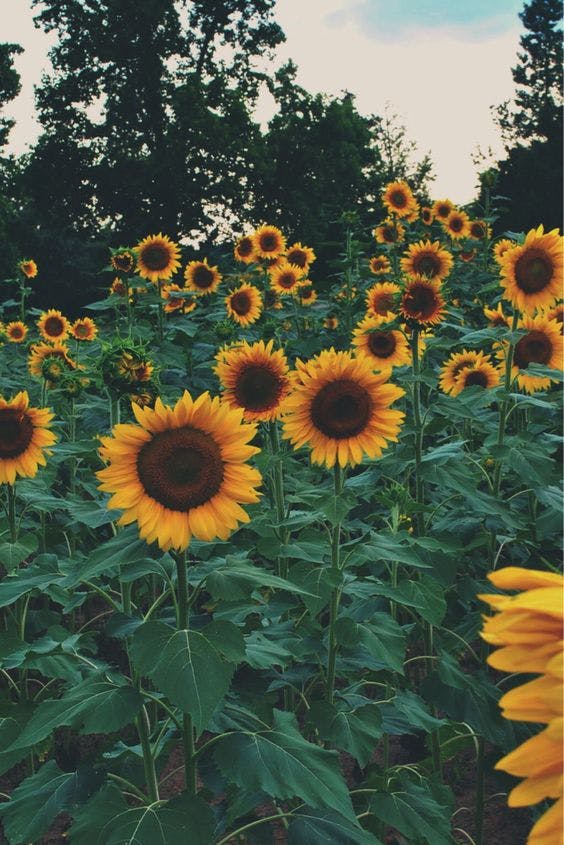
(440, 64)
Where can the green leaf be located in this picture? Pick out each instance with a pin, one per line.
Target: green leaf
(281, 763)
(353, 730)
(319, 581)
(96, 706)
(382, 640)
(124, 548)
(91, 513)
(425, 595)
(415, 812)
(335, 508)
(185, 666)
(392, 547)
(235, 582)
(12, 554)
(39, 576)
(227, 639)
(37, 801)
(315, 827)
(107, 820)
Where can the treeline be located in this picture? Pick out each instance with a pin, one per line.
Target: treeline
(147, 124)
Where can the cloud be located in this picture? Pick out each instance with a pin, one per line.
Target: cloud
(397, 20)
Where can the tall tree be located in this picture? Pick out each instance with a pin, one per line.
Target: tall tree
(399, 154)
(9, 89)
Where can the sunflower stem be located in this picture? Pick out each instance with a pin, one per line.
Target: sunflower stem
(278, 489)
(114, 410)
(143, 729)
(504, 410)
(182, 621)
(348, 278)
(336, 594)
(11, 492)
(22, 300)
(160, 312)
(420, 522)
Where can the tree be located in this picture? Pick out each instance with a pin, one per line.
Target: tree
(399, 155)
(9, 89)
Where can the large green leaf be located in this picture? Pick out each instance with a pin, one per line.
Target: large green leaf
(12, 554)
(425, 595)
(124, 548)
(381, 639)
(185, 666)
(107, 820)
(354, 730)
(416, 813)
(320, 581)
(39, 576)
(321, 827)
(283, 764)
(96, 706)
(234, 582)
(36, 802)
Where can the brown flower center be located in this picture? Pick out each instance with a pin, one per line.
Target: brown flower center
(16, 432)
(466, 362)
(287, 280)
(534, 348)
(82, 330)
(443, 211)
(389, 234)
(476, 377)
(241, 303)
(122, 262)
(181, 468)
(382, 344)
(477, 230)
(268, 242)
(533, 271)
(258, 388)
(155, 257)
(382, 303)
(425, 216)
(398, 199)
(245, 247)
(54, 326)
(456, 224)
(16, 331)
(203, 276)
(420, 302)
(341, 409)
(426, 264)
(297, 257)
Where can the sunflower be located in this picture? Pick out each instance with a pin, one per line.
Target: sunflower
(244, 305)
(118, 287)
(381, 300)
(182, 471)
(495, 316)
(479, 230)
(483, 374)
(457, 225)
(306, 294)
(28, 267)
(457, 362)
(24, 437)
(255, 379)
(123, 261)
(286, 278)
(427, 215)
(557, 313)
(331, 322)
(300, 255)
(84, 329)
(441, 209)
(427, 259)
(422, 301)
(269, 242)
(244, 250)
(527, 630)
(341, 409)
(158, 258)
(45, 355)
(379, 265)
(532, 272)
(398, 199)
(384, 347)
(201, 278)
(389, 232)
(467, 255)
(501, 248)
(541, 345)
(272, 300)
(176, 303)
(16, 331)
(53, 326)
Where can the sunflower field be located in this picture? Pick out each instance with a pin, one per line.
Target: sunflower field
(279, 553)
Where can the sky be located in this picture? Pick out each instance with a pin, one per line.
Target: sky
(439, 64)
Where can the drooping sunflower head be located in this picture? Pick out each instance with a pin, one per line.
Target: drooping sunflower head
(389, 232)
(467, 255)
(182, 471)
(479, 230)
(244, 305)
(122, 260)
(383, 346)
(118, 287)
(255, 378)
(124, 365)
(496, 317)
(269, 242)
(340, 409)
(427, 215)
(457, 225)
(441, 209)
(501, 247)
(532, 272)
(557, 313)
(482, 374)
(379, 265)
(84, 329)
(331, 322)
(382, 300)
(50, 361)
(542, 344)
(244, 249)
(301, 256)
(427, 259)
(286, 278)
(306, 294)
(398, 199)
(28, 267)
(16, 331)
(200, 278)
(422, 301)
(158, 258)
(176, 299)
(24, 438)
(53, 326)
(457, 362)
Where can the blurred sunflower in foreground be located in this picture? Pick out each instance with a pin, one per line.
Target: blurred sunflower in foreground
(24, 437)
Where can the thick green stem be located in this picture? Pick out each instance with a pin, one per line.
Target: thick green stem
(278, 490)
(504, 410)
(22, 300)
(11, 492)
(336, 594)
(114, 410)
(143, 728)
(182, 621)
(420, 522)
(160, 313)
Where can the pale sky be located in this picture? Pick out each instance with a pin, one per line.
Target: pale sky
(440, 64)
